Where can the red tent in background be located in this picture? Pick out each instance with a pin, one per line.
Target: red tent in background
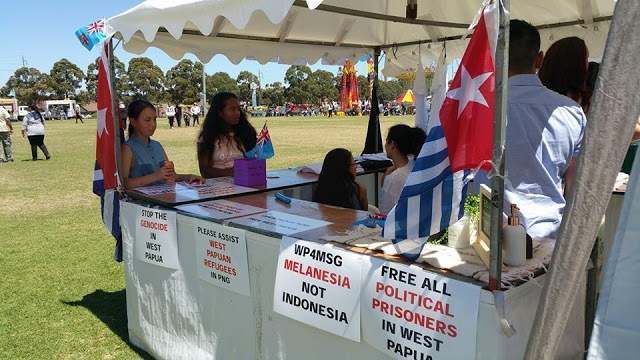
(407, 96)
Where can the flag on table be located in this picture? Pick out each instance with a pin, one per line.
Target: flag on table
(105, 175)
(459, 140)
(264, 147)
(91, 34)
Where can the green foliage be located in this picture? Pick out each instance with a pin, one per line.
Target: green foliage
(273, 94)
(299, 90)
(363, 87)
(389, 90)
(145, 80)
(322, 86)
(29, 85)
(220, 82)
(91, 79)
(184, 81)
(65, 78)
(472, 208)
(244, 80)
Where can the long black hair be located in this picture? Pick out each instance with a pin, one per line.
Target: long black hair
(336, 185)
(215, 128)
(134, 110)
(34, 108)
(408, 140)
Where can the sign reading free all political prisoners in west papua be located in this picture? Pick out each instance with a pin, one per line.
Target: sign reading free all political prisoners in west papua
(409, 313)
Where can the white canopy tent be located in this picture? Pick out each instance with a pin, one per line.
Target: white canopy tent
(301, 32)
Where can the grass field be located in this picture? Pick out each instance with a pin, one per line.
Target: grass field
(62, 295)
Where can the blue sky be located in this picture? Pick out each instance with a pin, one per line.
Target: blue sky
(42, 31)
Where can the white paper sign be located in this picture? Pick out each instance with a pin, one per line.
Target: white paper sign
(281, 223)
(414, 314)
(319, 286)
(221, 209)
(156, 237)
(221, 256)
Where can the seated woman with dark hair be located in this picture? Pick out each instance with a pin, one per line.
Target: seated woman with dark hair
(402, 146)
(225, 136)
(337, 184)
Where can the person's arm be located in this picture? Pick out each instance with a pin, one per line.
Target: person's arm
(207, 171)
(636, 132)
(568, 176)
(25, 122)
(190, 178)
(389, 170)
(8, 121)
(127, 163)
(364, 202)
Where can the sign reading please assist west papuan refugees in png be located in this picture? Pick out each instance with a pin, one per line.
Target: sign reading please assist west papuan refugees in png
(156, 237)
(410, 313)
(221, 256)
(319, 286)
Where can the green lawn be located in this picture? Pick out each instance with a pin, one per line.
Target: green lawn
(62, 295)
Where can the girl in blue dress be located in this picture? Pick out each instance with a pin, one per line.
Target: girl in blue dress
(143, 159)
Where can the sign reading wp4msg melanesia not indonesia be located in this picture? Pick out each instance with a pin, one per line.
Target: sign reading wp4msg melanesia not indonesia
(410, 313)
(319, 286)
(221, 256)
(156, 237)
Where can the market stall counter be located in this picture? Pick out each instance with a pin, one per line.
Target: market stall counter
(257, 283)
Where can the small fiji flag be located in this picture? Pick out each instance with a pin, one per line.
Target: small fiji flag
(91, 34)
(264, 147)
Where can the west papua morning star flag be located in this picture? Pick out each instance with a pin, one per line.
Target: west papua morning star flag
(105, 175)
(91, 34)
(460, 140)
(264, 147)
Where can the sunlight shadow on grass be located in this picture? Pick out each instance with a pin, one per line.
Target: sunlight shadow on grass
(111, 309)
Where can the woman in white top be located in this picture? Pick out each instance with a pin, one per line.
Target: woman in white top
(402, 146)
(225, 136)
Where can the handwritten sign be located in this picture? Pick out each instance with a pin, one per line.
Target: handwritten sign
(221, 256)
(410, 313)
(221, 209)
(156, 237)
(319, 286)
(281, 223)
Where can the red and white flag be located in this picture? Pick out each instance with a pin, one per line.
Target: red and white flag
(459, 140)
(105, 140)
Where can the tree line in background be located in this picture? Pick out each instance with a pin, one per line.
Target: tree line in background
(182, 84)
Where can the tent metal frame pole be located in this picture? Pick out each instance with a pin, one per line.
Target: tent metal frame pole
(376, 59)
(499, 135)
(115, 113)
(203, 113)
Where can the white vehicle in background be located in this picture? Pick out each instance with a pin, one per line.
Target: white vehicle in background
(53, 109)
(22, 111)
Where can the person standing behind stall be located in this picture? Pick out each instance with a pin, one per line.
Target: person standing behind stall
(337, 184)
(171, 113)
(564, 68)
(543, 138)
(143, 159)
(6, 130)
(402, 146)
(226, 134)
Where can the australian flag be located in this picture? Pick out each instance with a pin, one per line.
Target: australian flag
(105, 174)
(460, 140)
(91, 34)
(264, 147)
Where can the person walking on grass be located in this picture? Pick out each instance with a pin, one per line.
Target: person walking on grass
(78, 115)
(6, 130)
(33, 129)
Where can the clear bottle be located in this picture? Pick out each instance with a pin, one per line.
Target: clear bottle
(514, 249)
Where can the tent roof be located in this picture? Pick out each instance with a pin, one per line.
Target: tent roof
(406, 96)
(301, 32)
